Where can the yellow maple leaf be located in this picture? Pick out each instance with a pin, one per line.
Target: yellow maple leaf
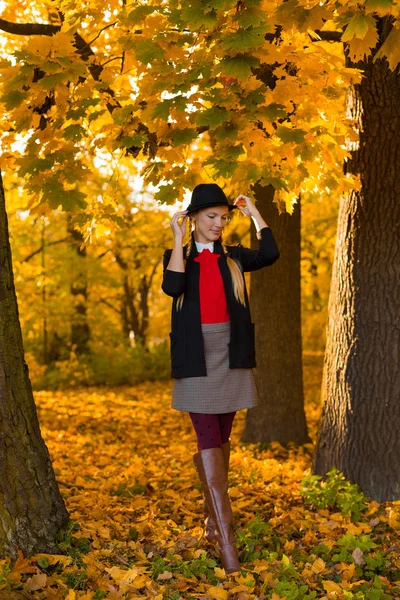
(219, 573)
(359, 48)
(390, 48)
(59, 44)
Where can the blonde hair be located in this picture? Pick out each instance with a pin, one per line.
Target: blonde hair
(236, 273)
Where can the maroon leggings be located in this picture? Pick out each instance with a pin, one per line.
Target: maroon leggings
(212, 430)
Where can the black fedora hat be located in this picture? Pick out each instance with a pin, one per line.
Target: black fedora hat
(206, 195)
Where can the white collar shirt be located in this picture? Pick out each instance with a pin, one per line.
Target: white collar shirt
(200, 246)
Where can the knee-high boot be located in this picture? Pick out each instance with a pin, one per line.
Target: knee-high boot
(210, 527)
(210, 466)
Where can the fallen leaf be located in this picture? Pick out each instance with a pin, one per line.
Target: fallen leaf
(52, 559)
(318, 566)
(164, 576)
(36, 582)
(333, 588)
(358, 556)
(219, 573)
(218, 593)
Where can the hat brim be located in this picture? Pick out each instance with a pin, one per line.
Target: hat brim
(229, 206)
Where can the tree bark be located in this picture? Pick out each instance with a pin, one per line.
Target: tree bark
(276, 310)
(360, 422)
(32, 510)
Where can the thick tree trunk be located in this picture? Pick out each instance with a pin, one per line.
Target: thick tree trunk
(32, 510)
(360, 423)
(276, 310)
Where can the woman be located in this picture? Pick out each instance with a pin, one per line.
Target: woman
(212, 340)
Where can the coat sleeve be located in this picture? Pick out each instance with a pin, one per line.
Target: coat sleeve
(173, 283)
(266, 254)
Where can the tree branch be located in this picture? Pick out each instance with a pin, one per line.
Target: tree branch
(41, 248)
(28, 28)
(328, 36)
(101, 31)
(110, 305)
(111, 59)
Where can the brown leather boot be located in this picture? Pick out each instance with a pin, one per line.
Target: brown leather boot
(210, 465)
(210, 527)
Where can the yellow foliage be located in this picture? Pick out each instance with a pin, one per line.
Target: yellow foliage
(148, 68)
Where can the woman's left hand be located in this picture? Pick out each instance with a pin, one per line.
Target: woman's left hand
(246, 205)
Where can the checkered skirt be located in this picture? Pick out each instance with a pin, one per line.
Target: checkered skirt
(222, 389)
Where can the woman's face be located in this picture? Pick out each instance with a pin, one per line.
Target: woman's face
(209, 223)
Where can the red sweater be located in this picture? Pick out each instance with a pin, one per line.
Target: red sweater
(213, 307)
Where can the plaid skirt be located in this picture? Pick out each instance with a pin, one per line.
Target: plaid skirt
(223, 389)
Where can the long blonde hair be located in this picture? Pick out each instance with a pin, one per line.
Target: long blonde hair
(236, 273)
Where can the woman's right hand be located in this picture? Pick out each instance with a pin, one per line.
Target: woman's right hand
(179, 230)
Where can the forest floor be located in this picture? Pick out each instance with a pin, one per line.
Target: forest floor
(123, 461)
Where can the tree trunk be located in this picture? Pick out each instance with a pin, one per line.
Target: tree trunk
(360, 423)
(134, 313)
(80, 330)
(32, 510)
(276, 311)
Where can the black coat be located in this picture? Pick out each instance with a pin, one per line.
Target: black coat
(186, 339)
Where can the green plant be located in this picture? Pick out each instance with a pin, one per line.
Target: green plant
(128, 491)
(291, 590)
(368, 591)
(76, 581)
(198, 566)
(5, 571)
(113, 366)
(159, 566)
(71, 545)
(335, 491)
(255, 539)
(348, 543)
(188, 568)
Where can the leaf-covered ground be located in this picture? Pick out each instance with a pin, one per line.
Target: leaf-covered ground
(123, 460)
